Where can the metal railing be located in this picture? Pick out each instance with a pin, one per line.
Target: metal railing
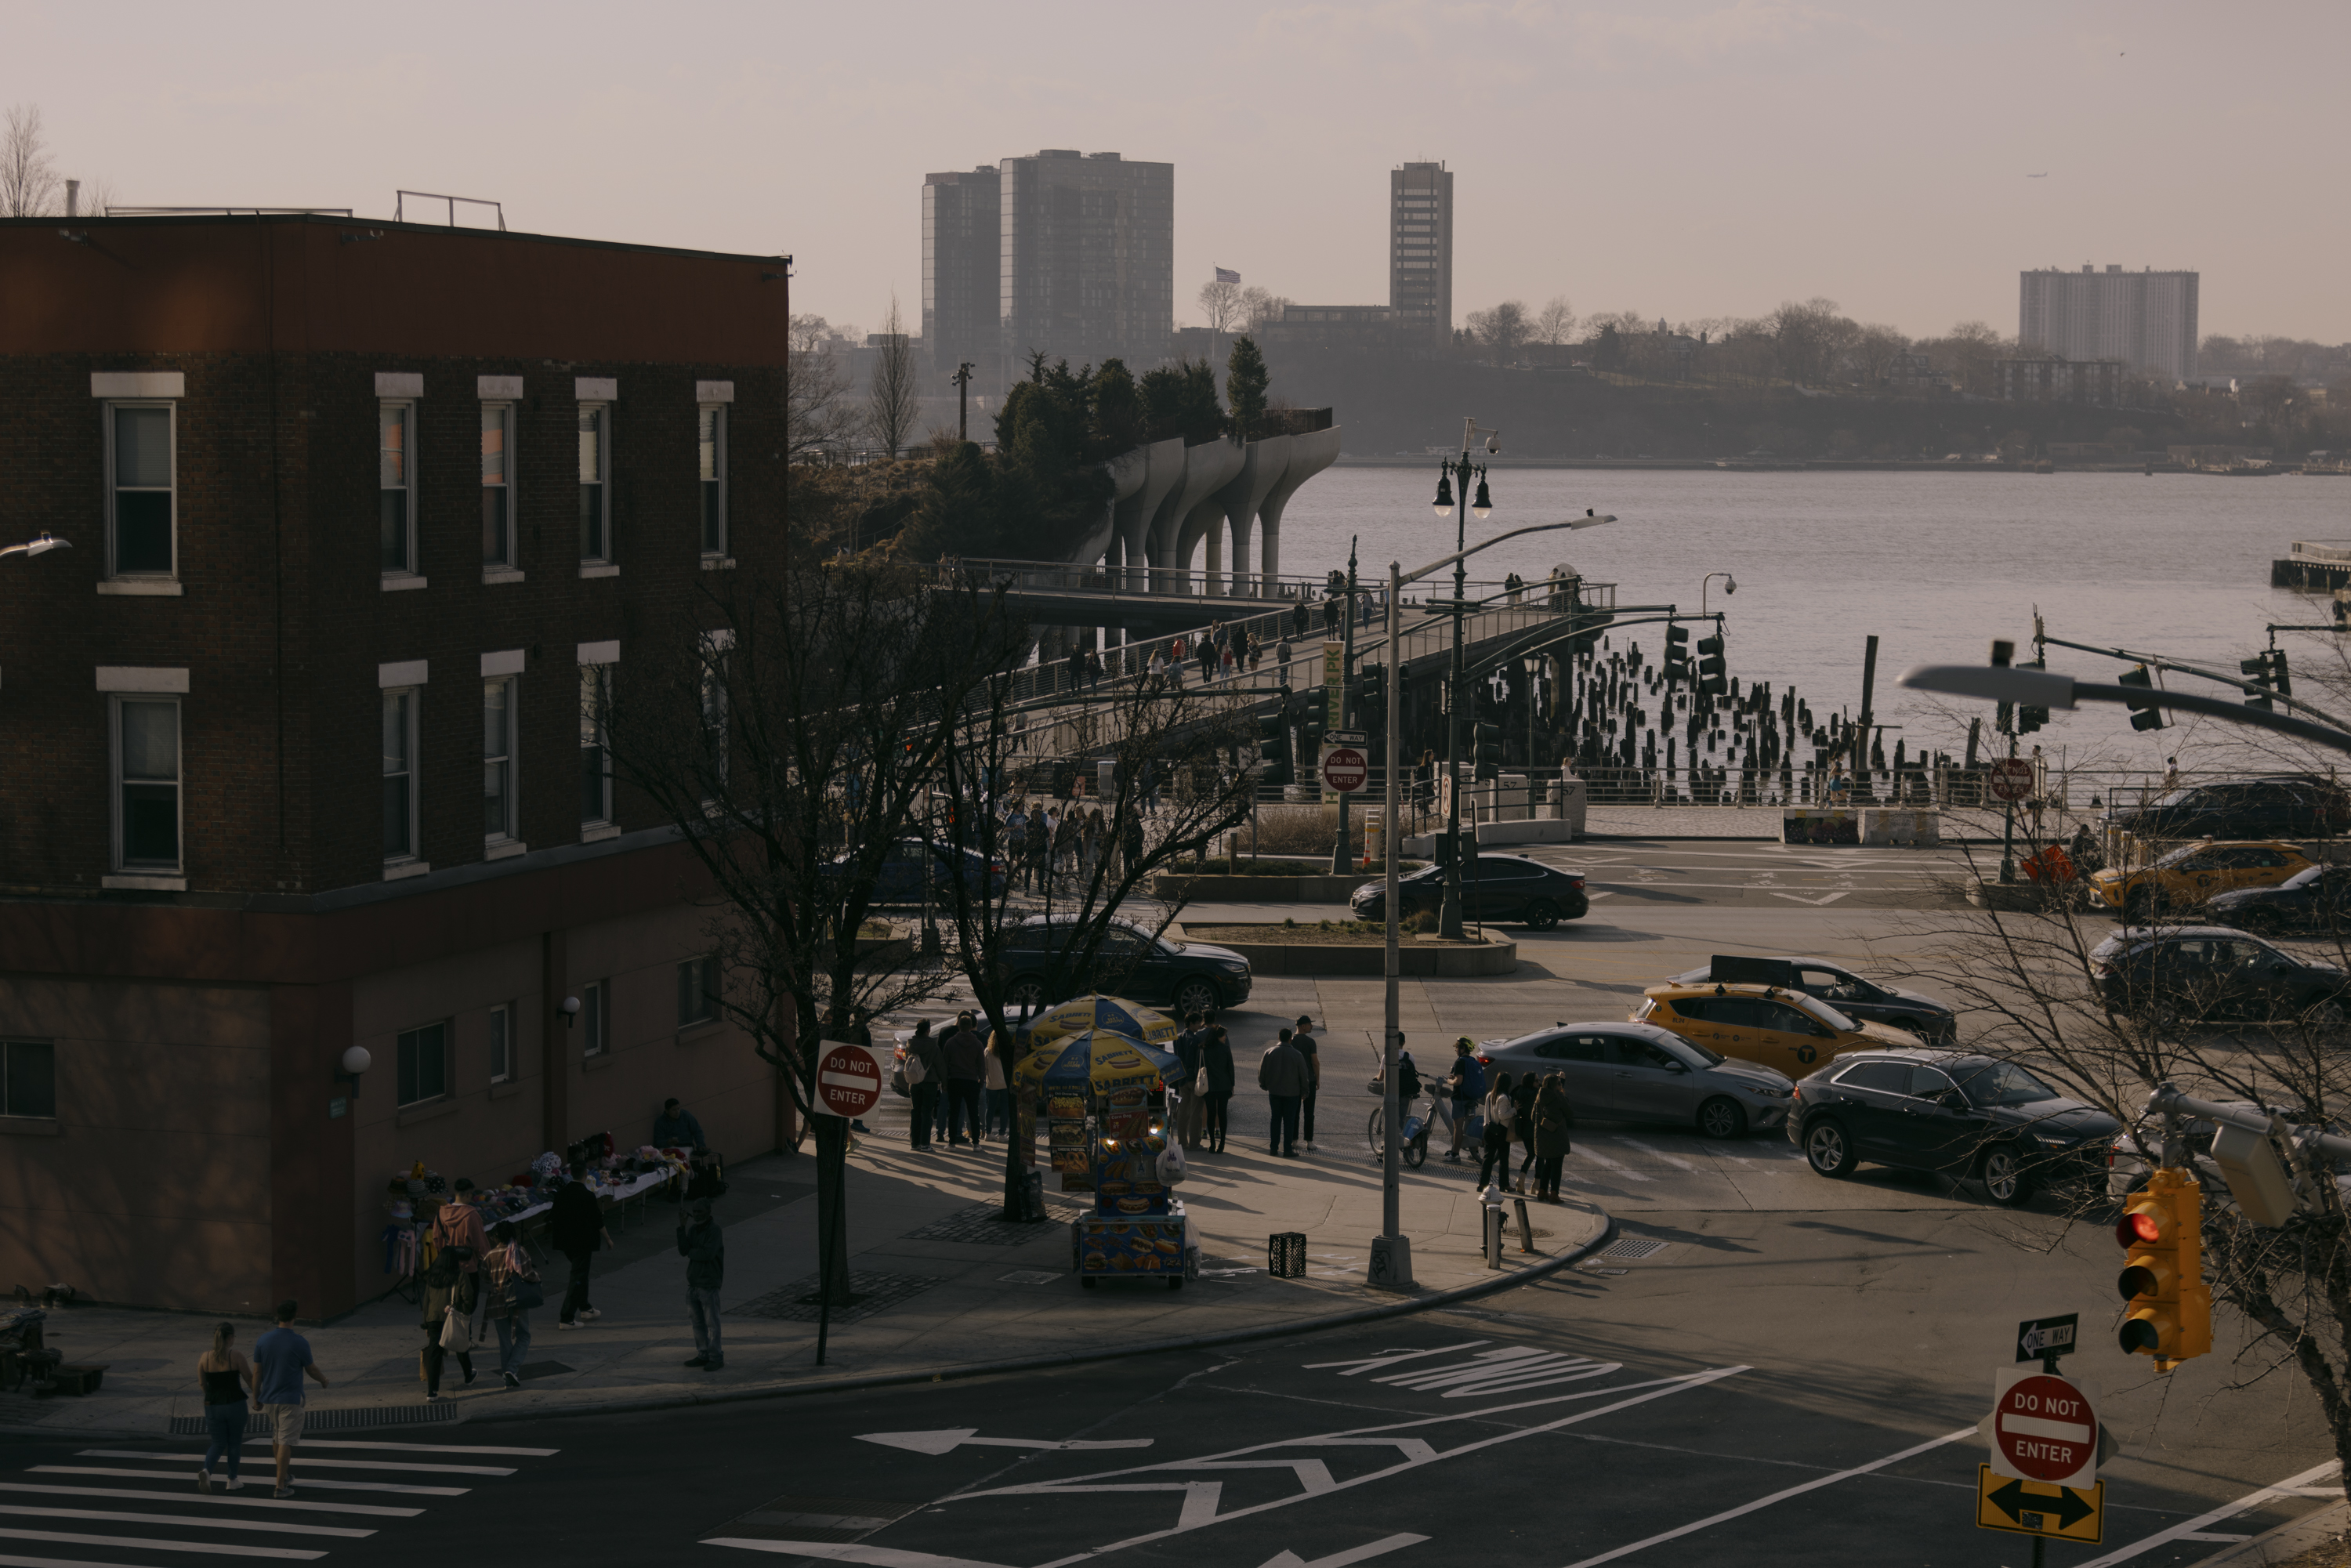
(399, 199)
(1142, 581)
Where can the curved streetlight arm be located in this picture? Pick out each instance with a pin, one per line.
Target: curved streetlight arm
(41, 545)
(2047, 688)
(1436, 566)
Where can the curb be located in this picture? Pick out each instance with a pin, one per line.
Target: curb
(789, 1389)
(2321, 1526)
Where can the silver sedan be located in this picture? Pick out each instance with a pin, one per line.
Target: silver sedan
(1620, 1071)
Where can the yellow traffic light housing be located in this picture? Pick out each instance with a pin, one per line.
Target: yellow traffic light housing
(2169, 1316)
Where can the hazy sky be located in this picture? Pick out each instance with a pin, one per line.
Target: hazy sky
(1677, 158)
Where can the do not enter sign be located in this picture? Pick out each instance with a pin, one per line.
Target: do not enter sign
(848, 1080)
(2011, 778)
(1345, 768)
(2044, 1428)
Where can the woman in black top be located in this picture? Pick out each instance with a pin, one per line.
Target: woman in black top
(226, 1377)
(1216, 1067)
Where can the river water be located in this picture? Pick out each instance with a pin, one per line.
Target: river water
(1935, 565)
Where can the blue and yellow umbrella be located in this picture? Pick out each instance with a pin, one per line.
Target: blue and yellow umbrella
(1098, 1011)
(1100, 1060)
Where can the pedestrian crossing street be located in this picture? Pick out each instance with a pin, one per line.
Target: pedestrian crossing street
(140, 1508)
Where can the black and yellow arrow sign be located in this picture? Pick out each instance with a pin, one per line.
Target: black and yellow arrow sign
(2035, 1507)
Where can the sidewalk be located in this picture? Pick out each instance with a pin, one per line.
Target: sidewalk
(946, 1287)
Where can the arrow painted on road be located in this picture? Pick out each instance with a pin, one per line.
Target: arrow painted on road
(1800, 898)
(2070, 1506)
(947, 1439)
(1342, 1558)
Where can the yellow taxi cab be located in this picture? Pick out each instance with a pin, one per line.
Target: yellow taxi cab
(1764, 1024)
(2194, 872)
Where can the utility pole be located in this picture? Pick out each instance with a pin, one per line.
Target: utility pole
(961, 378)
(1344, 701)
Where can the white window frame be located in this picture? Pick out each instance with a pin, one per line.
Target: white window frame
(502, 1044)
(595, 1018)
(172, 410)
(595, 687)
(719, 414)
(509, 831)
(123, 867)
(406, 407)
(416, 698)
(502, 569)
(603, 483)
(446, 1089)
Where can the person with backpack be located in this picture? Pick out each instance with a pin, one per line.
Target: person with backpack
(511, 1290)
(1500, 1111)
(703, 1245)
(926, 1071)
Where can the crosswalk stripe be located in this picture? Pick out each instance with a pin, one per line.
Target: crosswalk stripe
(1628, 1172)
(9, 1560)
(1651, 1149)
(186, 1520)
(191, 1475)
(210, 1548)
(407, 1447)
(372, 1510)
(301, 1459)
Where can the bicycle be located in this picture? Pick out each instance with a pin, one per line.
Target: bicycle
(1416, 1143)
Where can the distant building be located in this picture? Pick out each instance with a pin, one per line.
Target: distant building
(1420, 251)
(1915, 374)
(962, 246)
(2146, 320)
(2058, 380)
(1363, 329)
(1088, 259)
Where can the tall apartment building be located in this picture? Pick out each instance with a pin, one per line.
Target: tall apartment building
(1088, 270)
(962, 246)
(1420, 251)
(299, 748)
(2146, 318)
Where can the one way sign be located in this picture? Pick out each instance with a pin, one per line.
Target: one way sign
(2037, 1337)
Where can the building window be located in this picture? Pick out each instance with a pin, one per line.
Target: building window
(595, 470)
(140, 469)
(395, 462)
(697, 990)
(501, 1043)
(595, 745)
(497, 485)
(714, 716)
(497, 759)
(147, 784)
(399, 775)
(28, 1078)
(424, 1058)
(592, 1022)
(711, 455)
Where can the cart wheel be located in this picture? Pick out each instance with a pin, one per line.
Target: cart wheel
(1176, 1282)
(1087, 1280)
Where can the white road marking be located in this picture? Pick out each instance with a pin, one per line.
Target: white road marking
(408, 1448)
(372, 1510)
(191, 1475)
(1815, 903)
(1628, 1172)
(947, 1439)
(2193, 1528)
(302, 1459)
(210, 1548)
(186, 1522)
(1652, 1148)
(1344, 1559)
(1727, 1514)
(834, 1552)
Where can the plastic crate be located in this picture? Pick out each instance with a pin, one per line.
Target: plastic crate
(1285, 1255)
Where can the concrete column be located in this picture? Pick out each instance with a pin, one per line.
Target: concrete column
(1261, 467)
(1308, 455)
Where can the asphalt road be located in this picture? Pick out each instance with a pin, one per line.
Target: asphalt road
(1756, 1388)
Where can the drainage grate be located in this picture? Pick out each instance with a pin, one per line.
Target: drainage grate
(985, 1226)
(829, 1520)
(868, 1294)
(1633, 1249)
(1028, 1277)
(352, 1418)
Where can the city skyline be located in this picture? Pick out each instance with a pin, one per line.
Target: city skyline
(1681, 161)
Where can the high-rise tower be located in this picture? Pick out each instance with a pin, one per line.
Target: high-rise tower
(1420, 252)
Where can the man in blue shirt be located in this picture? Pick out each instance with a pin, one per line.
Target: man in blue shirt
(281, 1359)
(1467, 1086)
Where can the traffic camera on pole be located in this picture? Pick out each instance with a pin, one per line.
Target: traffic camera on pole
(1713, 674)
(2144, 715)
(1677, 664)
(2169, 1312)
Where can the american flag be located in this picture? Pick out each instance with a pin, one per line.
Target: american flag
(1225, 275)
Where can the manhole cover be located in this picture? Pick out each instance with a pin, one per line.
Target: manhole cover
(1027, 1276)
(867, 1293)
(1633, 1249)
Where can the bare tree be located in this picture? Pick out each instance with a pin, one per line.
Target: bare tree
(1873, 352)
(1555, 323)
(817, 418)
(29, 185)
(1260, 307)
(892, 401)
(1220, 302)
(1501, 330)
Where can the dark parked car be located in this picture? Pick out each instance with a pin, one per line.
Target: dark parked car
(900, 877)
(1496, 888)
(2182, 972)
(1638, 1073)
(1932, 1022)
(1969, 1117)
(2315, 898)
(2283, 806)
(1188, 977)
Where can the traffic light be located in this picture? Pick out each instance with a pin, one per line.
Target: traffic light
(1713, 674)
(2169, 1310)
(2258, 667)
(1678, 665)
(1371, 704)
(2278, 676)
(2144, 715)
(2028, 716)
(1487, 755)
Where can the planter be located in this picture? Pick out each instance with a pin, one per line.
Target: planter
(1260, 889)
(1417, 956)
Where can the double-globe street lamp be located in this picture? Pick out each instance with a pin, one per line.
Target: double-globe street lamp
(1450, 917)
(1391, 1263)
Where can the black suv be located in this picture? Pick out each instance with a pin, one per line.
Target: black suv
(2282, 806)
(2315, 898)
(1498, 888)
(1969, 1117)
(1189, 976)
(1932, 1022)
(2179, 972)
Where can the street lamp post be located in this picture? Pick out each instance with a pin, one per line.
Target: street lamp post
(1730, 586)
(1345, 703)
(1391, 1263)
(41, 543)
(1450, 917)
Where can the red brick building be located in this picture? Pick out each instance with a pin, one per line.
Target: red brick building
(292, 748)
